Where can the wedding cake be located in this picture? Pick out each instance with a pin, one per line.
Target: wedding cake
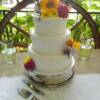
(49, 53)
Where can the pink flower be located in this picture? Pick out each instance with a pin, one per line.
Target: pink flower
(29, 64)
(63, 10)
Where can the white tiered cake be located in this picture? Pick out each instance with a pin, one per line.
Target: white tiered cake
(48, 41)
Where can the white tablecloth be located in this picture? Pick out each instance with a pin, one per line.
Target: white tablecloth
(81, 87)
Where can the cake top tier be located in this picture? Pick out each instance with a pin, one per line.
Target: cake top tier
(51, 8)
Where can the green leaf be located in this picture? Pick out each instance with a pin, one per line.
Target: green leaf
(29, 21)
(93, 6)
(16, 38)
(98, 8)
(70, 23)
(85, 6)
(3, 7)
(77, 33)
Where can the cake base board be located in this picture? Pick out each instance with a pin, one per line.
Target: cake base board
(51, 85)
(53, 79)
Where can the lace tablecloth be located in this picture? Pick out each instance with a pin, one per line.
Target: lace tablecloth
(81, 87)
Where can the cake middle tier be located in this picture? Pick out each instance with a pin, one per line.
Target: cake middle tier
(49, 45)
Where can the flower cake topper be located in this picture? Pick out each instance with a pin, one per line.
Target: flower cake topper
(52, 8)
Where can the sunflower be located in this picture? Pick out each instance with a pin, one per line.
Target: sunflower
(49, 7)
(49, 13)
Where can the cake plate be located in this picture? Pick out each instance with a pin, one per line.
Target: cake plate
(53, 78)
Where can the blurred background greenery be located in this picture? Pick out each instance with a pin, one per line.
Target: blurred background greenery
(24, 20)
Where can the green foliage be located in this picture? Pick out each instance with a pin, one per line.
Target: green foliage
(3, 7)
(1, 47)
(29, 20)
(70, 22)
(84, 28)
(89, 5)
(25, 21)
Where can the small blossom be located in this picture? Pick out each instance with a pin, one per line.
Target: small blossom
(63, 10)
(73, 43)
(69, 42)
(29, 64)
(76, 45)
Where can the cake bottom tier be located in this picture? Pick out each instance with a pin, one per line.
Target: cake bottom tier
(52, 79)
(50, 63)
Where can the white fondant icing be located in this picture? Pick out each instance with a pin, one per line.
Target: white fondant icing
(50, 63)
(48, 41)
(50, 26)
(49, 45)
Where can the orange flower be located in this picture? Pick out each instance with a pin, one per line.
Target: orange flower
(72, 43)
(69, 42)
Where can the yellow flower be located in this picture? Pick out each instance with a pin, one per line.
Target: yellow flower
(49, 4)
(27, 59)
(76, 45)
(49, 7)
(73, 43)
(48, 13)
